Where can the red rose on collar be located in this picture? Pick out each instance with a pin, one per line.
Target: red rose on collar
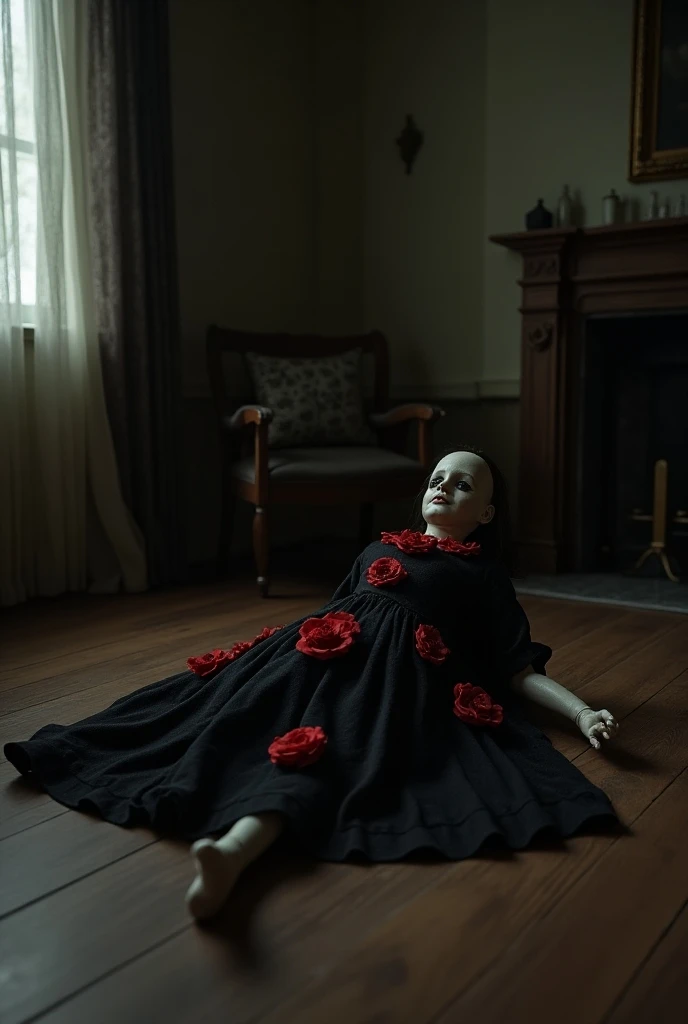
(385, 572)
(208, 664)
(328, 637)
(430, 645)
(458, 547)
(474, 705)
(410, 541)
(298, 748)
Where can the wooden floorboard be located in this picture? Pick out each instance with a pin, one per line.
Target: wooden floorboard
(59, 852)
(93, 923)
(658, 991)
(599, 933)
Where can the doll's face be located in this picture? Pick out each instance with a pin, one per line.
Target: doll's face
(458, 496)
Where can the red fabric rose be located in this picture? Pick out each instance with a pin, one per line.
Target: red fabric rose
(207, 664)
(473, 705)
(328, 637)
(385, 572)
(458, 547)
(410, 541)
(298, 748)
(346, 619)
(430, 645)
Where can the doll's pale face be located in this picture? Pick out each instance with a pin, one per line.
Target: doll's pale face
(459, 495)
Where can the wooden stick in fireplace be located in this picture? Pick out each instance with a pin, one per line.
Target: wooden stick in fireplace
(658, 520)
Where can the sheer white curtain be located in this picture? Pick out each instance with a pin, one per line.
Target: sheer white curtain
(63, 523)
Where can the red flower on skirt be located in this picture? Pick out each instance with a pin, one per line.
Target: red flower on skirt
(298, 748)
(265, 633)
(474, 705)
(410, 541)
(327, 637)
(430, 645)
(208, 664)
(385, 572)
(458, 547)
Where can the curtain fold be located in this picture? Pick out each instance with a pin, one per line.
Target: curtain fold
(134, 263)
(63, 521)
(15, 543)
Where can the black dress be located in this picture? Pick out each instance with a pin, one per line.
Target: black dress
(400, 773)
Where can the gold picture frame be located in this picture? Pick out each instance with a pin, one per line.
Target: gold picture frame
(659, 117)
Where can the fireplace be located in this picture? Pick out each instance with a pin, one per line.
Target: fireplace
(634, 396)
(604, 327)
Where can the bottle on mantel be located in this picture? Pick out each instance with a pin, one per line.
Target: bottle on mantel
(564, 209)
(653, 206)
(610, 208)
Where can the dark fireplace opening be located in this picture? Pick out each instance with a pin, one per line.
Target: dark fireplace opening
(634, 412)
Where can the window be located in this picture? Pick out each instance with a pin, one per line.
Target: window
(18, 158)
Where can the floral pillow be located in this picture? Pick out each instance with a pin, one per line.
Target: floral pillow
(315, 401)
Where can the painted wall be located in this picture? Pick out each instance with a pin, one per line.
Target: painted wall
(424, 232)
(337, 95)
(245, 177)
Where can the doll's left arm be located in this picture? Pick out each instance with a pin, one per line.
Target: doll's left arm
(595, 725)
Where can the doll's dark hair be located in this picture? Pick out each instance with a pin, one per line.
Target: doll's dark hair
(495, 537)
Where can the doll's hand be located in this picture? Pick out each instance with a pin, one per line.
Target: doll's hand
(597, 726)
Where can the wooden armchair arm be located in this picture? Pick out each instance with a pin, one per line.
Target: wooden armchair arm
(404, 413)
(246, 415)
(258, 416)
(424, 415)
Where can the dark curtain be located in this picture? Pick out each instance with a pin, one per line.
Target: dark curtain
(135, 268)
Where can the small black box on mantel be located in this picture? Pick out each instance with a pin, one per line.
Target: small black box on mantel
(539, 218)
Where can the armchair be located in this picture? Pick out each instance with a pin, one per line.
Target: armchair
(333, 474)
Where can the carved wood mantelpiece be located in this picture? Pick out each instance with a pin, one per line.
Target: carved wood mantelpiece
(569, 274)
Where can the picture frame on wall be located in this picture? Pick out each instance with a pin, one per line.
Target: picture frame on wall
(659, 118)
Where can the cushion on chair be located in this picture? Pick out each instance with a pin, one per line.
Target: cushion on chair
(342, 463)
(315, 401)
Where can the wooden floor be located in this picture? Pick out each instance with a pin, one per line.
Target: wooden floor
(93, 927)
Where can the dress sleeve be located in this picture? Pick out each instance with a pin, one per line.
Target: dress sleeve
(511, 648)
(349, 583)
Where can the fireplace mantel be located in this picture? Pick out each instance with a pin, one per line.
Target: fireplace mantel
(569, 274)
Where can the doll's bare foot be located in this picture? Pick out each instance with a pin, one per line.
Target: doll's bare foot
(219, 864)
(216, 874)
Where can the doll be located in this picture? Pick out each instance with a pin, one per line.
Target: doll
(389, 721)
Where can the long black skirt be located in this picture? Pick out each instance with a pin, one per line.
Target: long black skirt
(401, 773)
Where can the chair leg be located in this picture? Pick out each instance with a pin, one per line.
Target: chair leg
(260, 548)
(365, 527)
(226, 523)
